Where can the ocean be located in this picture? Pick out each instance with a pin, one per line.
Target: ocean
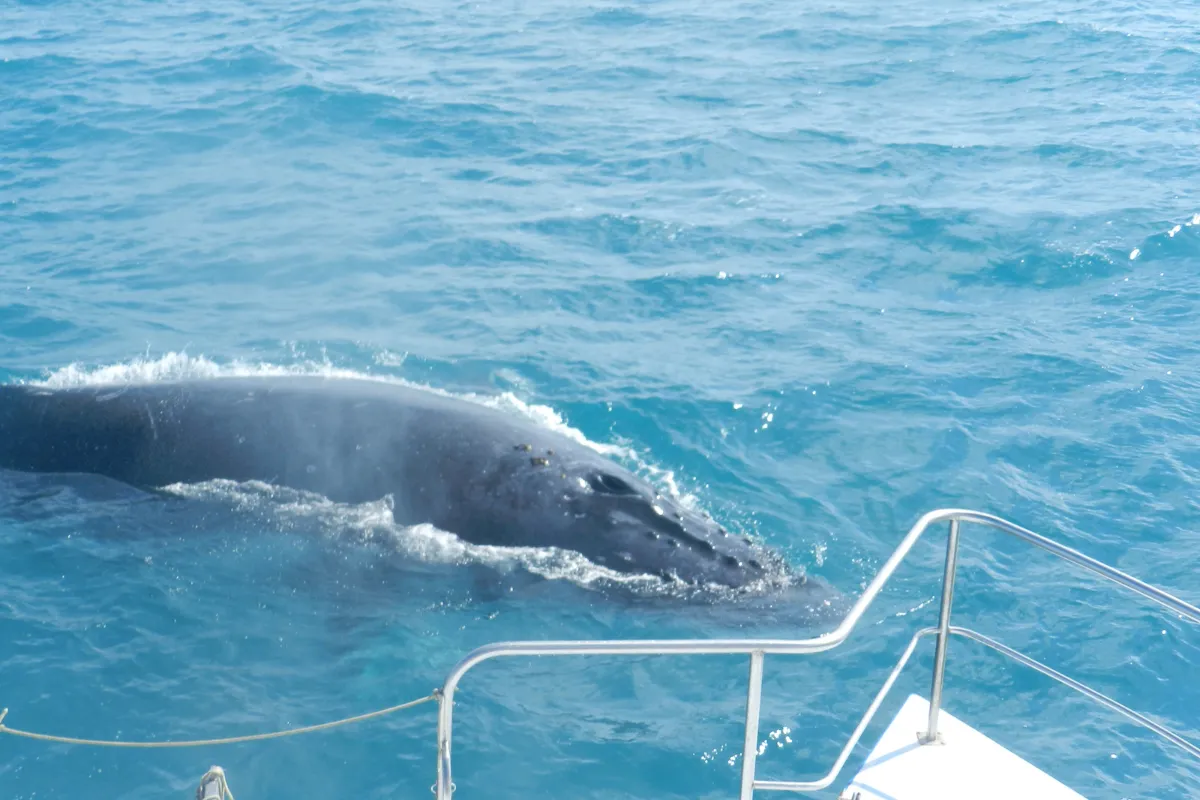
(814, 268)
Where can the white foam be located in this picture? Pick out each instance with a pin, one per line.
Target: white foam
(181, 366)
(373, 522)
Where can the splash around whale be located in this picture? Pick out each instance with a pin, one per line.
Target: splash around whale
(487, 476)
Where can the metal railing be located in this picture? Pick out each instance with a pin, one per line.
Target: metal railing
(758, 648)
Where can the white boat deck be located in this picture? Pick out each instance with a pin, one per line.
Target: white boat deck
(965, 764)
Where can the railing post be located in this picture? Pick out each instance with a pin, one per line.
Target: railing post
(750, 745)
(444, 788)
(939, 657)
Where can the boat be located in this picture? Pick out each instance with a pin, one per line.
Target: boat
(925, 753)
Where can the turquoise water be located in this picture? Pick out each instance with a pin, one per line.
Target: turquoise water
(820, 268)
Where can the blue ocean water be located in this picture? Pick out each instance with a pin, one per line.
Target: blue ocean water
(821, 268)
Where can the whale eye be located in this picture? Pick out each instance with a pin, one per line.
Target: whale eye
(610, 484)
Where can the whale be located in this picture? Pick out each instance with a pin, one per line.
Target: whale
(487, 476)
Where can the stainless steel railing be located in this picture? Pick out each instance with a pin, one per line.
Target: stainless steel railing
(758, 648)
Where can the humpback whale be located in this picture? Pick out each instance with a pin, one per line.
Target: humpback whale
(485, 475)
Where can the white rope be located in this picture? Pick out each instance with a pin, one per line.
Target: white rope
(256, 737)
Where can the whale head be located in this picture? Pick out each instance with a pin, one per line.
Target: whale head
(649, 531)
(573, 498)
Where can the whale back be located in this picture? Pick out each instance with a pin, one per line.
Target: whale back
(485, 475)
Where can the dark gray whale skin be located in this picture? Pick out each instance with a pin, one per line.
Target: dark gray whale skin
(485, 475)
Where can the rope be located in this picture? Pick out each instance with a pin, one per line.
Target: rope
(256, 737)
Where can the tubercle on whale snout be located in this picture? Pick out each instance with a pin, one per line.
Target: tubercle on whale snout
(731, 566)
(778, 580)
(681, 545)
